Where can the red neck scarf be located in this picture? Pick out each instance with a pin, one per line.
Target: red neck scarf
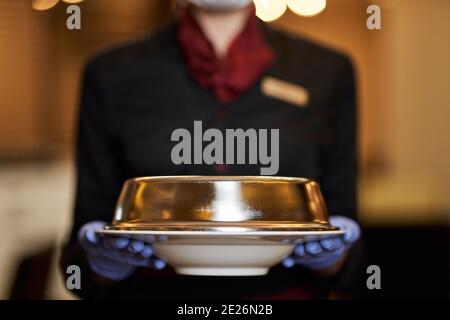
(228, 78)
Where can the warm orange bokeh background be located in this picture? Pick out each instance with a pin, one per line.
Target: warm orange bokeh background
(403, 79)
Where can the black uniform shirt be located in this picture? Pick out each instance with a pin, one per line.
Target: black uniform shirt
(133, 97)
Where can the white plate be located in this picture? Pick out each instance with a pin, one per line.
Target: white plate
(230, 253)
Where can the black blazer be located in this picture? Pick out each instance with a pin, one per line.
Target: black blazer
(134, 96)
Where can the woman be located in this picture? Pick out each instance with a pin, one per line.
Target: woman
(216, 64)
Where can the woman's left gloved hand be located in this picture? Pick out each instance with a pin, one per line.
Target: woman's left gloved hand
(322, 254)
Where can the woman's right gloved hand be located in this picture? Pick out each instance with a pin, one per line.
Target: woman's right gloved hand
(115, 258)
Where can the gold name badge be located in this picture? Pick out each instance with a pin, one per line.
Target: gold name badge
(285, 91)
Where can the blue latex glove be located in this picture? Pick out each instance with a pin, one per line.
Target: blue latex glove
(321, 254)
(115, 258)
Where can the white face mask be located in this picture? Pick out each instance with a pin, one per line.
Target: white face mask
(221, 5)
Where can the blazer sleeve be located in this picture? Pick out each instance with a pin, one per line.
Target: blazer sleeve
(338, 158)
(98, 176)
(339, 170)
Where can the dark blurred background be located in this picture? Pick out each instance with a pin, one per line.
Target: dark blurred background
(403, 79)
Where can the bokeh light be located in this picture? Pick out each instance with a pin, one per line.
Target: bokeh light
(270, 10)
(43, 4)
(307, 8)
(72, 1)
